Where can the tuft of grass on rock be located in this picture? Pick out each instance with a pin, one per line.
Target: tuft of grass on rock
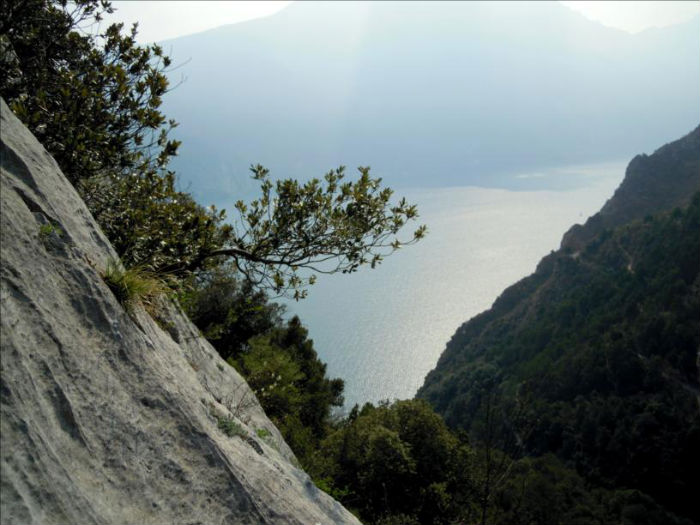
(230, 426)
(267, 437)
(133, 285)
(227, 424)
(50, 234)
(47, 230)
(263, 433)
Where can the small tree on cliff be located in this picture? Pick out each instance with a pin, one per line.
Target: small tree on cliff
(328, 227)
(93, 100)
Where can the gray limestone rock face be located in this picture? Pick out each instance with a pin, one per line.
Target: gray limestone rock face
(109, 417)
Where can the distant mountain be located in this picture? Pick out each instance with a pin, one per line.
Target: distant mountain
(428, 94)
(600, 344)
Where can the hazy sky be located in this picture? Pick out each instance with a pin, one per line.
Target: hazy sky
(160, 20)
(636, 16)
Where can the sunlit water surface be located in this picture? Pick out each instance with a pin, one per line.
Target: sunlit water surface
(383, 330)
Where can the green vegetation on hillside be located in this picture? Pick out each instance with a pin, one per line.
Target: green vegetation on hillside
(93, 100)
(601, 345)
(400, 464)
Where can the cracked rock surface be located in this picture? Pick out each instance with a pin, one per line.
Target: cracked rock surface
(108, 417)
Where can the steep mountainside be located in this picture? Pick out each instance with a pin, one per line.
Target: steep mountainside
(599, 347)
(652, 183)
(110, 416)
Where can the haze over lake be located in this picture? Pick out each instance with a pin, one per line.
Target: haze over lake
(429, 94)
(382, 330)
(504, 117)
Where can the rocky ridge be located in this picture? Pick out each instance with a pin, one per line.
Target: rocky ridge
(114, 417)
(649, 187)
(594, 357)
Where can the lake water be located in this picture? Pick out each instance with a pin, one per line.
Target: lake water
(383, 330)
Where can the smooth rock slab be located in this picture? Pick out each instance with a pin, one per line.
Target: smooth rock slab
(105, 417)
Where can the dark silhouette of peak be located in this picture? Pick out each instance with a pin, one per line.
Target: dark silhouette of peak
(662, 181)
(598, 346)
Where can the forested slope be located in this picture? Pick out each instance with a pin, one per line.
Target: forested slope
(594, 356)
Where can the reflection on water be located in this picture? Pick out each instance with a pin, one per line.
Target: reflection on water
(382, 330)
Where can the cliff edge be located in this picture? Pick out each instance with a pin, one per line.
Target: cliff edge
(109, 416)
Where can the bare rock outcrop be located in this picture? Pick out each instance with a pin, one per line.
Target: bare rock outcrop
(109, 417)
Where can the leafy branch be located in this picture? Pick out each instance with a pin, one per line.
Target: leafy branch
(334, 226)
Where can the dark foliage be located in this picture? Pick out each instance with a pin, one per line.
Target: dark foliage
(396, 460)
(400, 464)
(605, 341)
(229, 311)
(93, 101)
